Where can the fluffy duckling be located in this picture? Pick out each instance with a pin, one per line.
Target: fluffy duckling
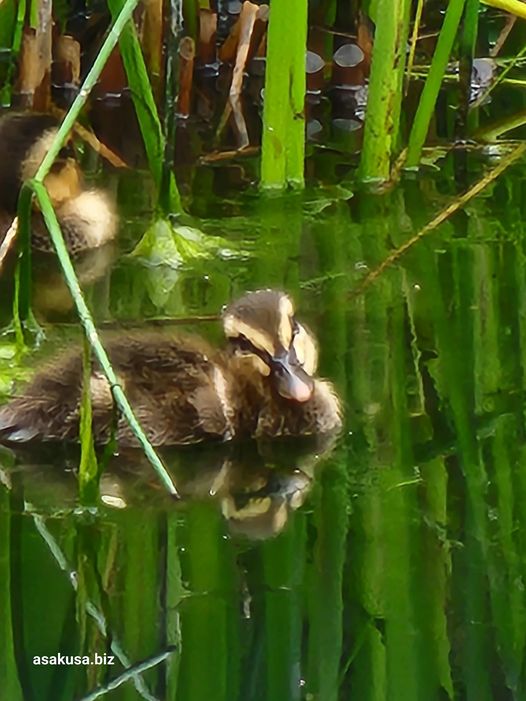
(87, 217)
(263, 385)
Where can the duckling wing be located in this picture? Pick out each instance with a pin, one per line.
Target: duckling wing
(176, 390)
(49, 407)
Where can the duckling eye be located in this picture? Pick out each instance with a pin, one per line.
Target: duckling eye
(243, 343)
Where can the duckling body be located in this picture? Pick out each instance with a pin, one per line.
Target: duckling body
(182, 390)
(87, 217)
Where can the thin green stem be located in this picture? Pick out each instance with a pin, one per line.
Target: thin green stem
(438, 68)
(414, 39)
(468, 40)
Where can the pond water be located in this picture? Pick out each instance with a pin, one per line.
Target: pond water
(389, 566)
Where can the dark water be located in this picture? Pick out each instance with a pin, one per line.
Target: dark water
(388, 567)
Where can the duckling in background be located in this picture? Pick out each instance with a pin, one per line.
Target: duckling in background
(87, 217)
(183, 391)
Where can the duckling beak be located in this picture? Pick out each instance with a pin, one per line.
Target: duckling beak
(292, 382)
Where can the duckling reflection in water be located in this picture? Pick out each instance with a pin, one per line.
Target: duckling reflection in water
(257, 486)
(86, 217)
(184, 391)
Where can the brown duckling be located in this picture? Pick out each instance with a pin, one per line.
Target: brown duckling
(87, 217)
(263, 385)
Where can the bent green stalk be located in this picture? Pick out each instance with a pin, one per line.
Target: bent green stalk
(283, 142)
(86, 320)
(426, 105)
(23, 284)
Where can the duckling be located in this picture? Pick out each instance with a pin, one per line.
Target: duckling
(183, 391)
(87, 217)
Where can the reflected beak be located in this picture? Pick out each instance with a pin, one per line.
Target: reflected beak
(292, 381)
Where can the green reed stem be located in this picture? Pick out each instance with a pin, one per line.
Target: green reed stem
(438, 68)
(145, 107)
(467, 44)
(88, 468)
(414, 39)
(385, 89)
(91, 332)
(283, 143)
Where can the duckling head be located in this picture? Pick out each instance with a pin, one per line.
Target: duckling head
(262, 326)
(25, 139)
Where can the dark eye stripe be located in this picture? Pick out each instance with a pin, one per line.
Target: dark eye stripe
(242, 343)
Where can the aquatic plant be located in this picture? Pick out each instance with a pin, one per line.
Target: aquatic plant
(283, 142)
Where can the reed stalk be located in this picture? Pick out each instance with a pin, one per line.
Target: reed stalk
(414, 38)
(468, 39)
(426, 105)
(283, 142)
(144, 103)
(385, 89)
(88, 468)
(11, 27)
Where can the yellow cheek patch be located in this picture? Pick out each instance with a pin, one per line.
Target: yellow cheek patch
(235, 327)
(256, 364)
(286, 312)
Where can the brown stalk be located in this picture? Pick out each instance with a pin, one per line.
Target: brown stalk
(364, 39)
(152, 35)
(207, 36)
(34, 75)
(186, 75)
(505, 31)
(227, 155)
(247, 20)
